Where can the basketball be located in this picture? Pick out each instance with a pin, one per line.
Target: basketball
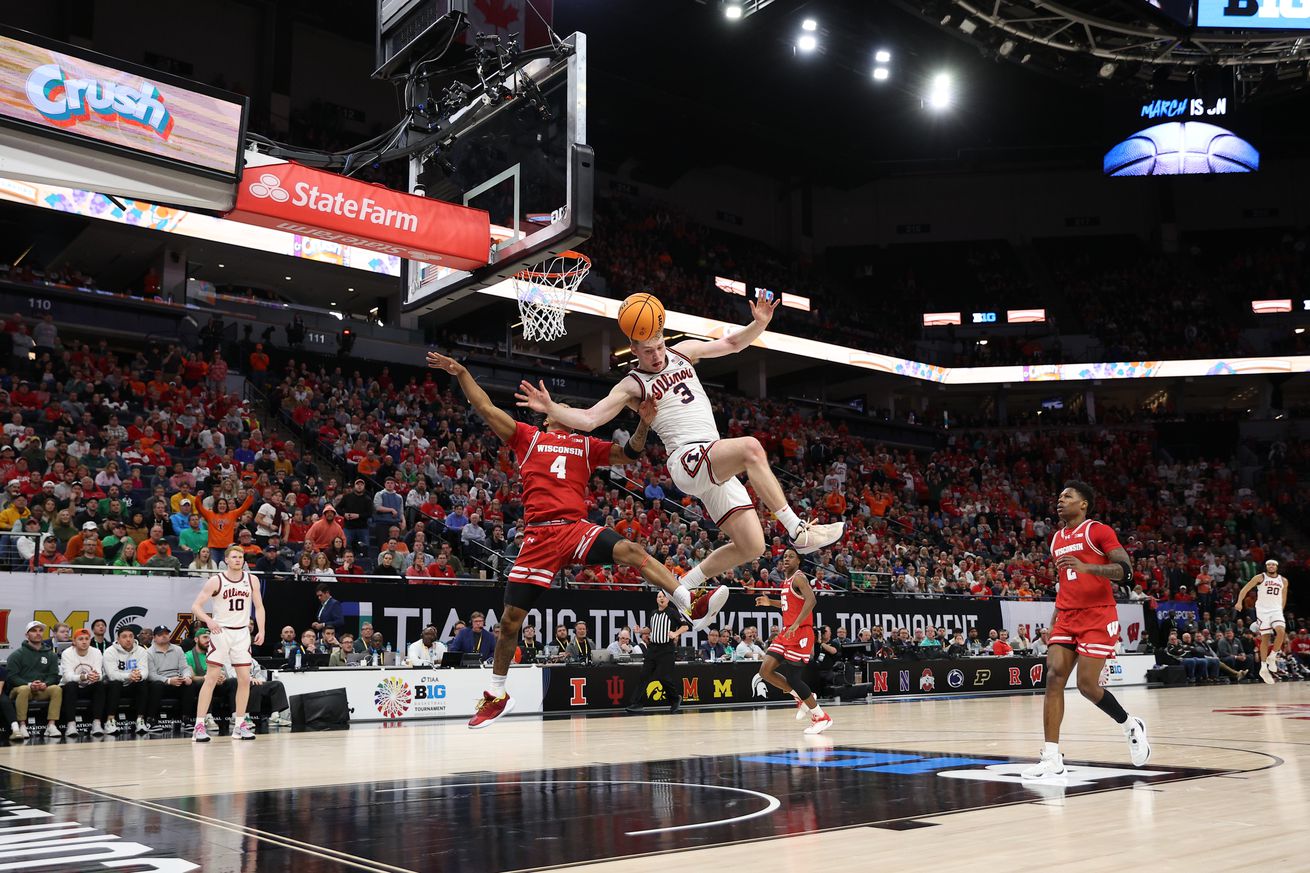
(641, 316)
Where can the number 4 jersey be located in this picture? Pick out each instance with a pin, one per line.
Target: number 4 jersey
(1089, 542)
(556, 466)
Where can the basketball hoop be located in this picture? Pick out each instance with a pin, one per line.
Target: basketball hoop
(544, 291)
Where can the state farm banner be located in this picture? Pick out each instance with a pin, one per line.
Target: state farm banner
(79, 599)
(328, 206)
(400, 611)
(1030, 616)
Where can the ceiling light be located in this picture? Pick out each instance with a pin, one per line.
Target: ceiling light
(880, 74)
(732, 11)
(332, 303)
(350, 289)
(968, 26)
(220, 266)
(288, 278)
(1299, 330)
(809, 25)
(941, 93)
(1007, 47)
(337, 315)
(807, 42)
(982, 342)
(1107, 70)
(882, 56)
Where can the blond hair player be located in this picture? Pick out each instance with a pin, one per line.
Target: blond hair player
(700, 462)
(234, 589)
(1270, 601)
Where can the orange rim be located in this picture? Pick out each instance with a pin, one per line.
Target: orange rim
(581, 262)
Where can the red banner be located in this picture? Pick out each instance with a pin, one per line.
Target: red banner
(327, 206)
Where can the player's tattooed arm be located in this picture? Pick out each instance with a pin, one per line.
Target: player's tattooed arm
(1118, 570)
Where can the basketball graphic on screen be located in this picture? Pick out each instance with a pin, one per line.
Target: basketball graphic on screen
(1181, 148)
(641, 316)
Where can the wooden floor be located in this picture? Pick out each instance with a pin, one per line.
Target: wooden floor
(894, 785)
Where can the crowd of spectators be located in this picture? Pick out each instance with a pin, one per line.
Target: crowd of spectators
(142, 462)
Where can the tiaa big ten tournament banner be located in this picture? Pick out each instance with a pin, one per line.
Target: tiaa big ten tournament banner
(79, 599)
(401, 611)
(1028, 617)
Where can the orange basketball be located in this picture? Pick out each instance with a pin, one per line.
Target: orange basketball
(641, 316)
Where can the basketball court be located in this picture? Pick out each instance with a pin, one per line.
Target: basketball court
(902, 782)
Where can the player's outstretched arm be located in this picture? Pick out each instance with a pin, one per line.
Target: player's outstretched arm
(493, 415)
(538, 399)
(626, 454)
(761, 314)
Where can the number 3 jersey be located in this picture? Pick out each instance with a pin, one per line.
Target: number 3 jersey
(556, 466)
(684, 414)
(1089, 542)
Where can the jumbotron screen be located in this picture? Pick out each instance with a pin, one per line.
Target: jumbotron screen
(1181, 135)
(1253, 14)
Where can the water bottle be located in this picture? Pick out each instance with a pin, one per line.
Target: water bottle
(297, 661)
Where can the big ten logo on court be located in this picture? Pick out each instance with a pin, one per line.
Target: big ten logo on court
(926, 680)
(393, 697)
(614, 687)
(723, 688)
(982, 677)
(579, 695)
(690, 689)
(77, 618)
(898, 763)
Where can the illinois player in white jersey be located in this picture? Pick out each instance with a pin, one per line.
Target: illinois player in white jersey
(234, 589)
(1270, 601)
(700, 463)
(1085, 626)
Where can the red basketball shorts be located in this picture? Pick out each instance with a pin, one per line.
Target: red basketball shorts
(797, 648)
(1092, 632)
(549, 548)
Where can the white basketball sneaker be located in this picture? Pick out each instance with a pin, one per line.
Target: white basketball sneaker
(1266, 675)
(1051, 766)
(819, 724)
(811, 537)
(1139, 747)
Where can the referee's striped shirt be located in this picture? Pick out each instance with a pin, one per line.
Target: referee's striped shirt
(660, 625)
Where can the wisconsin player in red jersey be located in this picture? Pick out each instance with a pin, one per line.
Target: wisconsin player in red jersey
(792, 649)
(1085, 628)
(556, 465)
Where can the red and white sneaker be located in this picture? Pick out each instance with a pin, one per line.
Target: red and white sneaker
(490, 708)
(201, 735)
(802, 711)
(819, 724)
(705, 606)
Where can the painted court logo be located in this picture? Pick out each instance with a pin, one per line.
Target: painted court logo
(393, 697)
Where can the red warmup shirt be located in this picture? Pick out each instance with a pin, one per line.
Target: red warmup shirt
(1089, 542)
(556, 467)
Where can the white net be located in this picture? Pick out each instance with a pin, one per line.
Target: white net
(544, 291)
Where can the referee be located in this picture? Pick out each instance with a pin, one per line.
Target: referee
(666, 625)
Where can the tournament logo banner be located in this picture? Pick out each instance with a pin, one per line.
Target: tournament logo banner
(401, 611)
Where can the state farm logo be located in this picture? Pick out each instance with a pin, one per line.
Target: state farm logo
(310, 196)
(269, 186)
